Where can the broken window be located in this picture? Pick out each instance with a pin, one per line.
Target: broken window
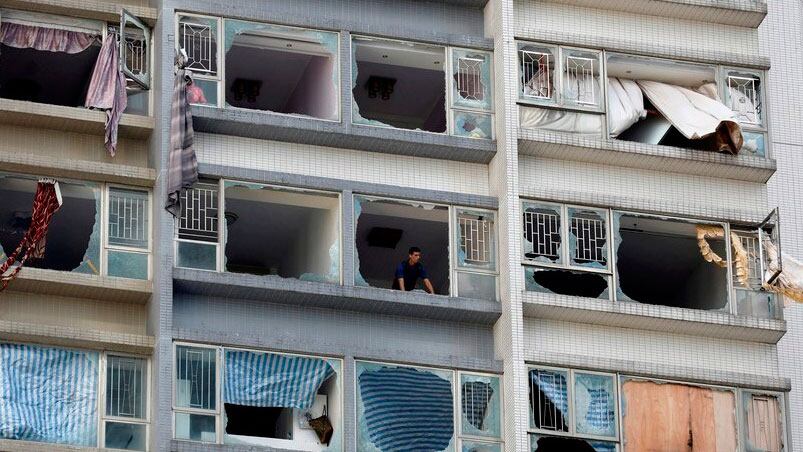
(476, 254)
(471, 94)
(480, 405)
(566, 250)
(692, 418)
(198, 37)
(574, 405)
(197, 233)
(290, 233)
(280, 69)
(763, 422)
(128, 233)
(743, 92)
(126, 407)
(268, 399)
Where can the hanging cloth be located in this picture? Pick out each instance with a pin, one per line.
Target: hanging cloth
(107, 89)
(43, 38)
(46, 202)
(182, 166)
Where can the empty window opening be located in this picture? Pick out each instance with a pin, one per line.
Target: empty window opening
(557, 444)
(278, 69)
(403, 85)
(386, 230)
(566, 282)
(73, 238)
(658, 262)
(292, 234)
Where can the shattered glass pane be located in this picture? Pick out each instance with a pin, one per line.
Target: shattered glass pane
(595, 404)
(125, 264)
(473, 125)
(581, 78)
(743, 96)
(588, 237)
(197, 36)
(542, 233)
(549, 399)
(476, 285)
(754, 143)
(537, 72)
(126, 436)
(480, 404)
(567, 282)
(475, 446)
(471, 73)
(476, 239)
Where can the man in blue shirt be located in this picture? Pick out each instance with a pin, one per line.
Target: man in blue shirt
(409, 270)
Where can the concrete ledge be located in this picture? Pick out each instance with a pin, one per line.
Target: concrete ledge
(660, 371)
(76, 337)
(10, 445)
(71, 119)
(87, 9)
(629, 154)
(639, 316)
(297, 129)
(192, 446)
(742, 13)
(275, 289)
(77, 169)
(79, 285)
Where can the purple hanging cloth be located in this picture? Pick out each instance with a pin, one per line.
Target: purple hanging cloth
(107, 89)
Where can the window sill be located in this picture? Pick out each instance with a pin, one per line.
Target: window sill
(74, 337)
(44, 165)
(298, 129)
(88, 9)
(68, 284)
(652, 318)
(294, 292)
(630, 154)
(178, 445)
(71, 119)
(740, 13)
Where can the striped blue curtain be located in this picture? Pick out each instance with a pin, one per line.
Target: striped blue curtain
(48, 395)
(271, 380)
(407, 410)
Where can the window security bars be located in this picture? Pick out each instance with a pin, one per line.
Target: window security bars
(469, 78)
(475, 398)
(199, 213)
(546, 412)
(755, 274)
(135, 54)
(580, 80)
(745, 99)
(198, 43)
(128, 213)
(542, 235)
(590, 234)
(125, 387)
(197, 368)
(535, 74)
(475, 240)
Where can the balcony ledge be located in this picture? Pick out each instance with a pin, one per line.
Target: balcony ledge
(741, 13)
(70, 119)
(629, 154)
(75, 337)
(88, 9)
(299, 129)
(77, 169)
(275, 289)
(79, 285)
(652, 318)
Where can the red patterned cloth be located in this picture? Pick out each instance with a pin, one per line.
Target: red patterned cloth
(46, 202)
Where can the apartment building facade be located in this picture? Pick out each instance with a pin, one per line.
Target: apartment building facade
(598, 269)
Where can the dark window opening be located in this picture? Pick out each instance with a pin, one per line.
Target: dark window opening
(555, 444)
(268, 422)
(659, 262)
(55, 78)
(566, 282)
(401, 85)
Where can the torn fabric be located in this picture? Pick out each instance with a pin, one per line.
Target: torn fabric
(625, 105)
(740, 255)
(43, 38)
(561, 121)
(107, 89)
(790, 282)
(695, 115)
(47, 201)
(182, 166)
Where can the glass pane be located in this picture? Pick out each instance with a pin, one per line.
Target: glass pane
(480, 398)
(567, 282)
(549, 400)
(758, 303)
(126, 387)
(471, 73)
(135, 49)
(586, 124)
(588, 237)
(196, 378)
(128, 218)
(202, 92)
(476, 285)
(754, 143)
(125, 436)
(475, 446)
(125, 264)
(537, 72)
(198, 37)
(195, 427)
(581, 80)
(473, 125)
(476, 240)
(743, 96)
(594, 402)
(542, 229)
(202, 256)
(138, 102)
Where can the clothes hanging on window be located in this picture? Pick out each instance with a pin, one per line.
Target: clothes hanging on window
(182, 166)
(107, 89)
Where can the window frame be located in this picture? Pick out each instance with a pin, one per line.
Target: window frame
(572, 424)
(217, 78)
(106, 246)
(453, 109)
(783, 415)
(103, 418)
(143, 80)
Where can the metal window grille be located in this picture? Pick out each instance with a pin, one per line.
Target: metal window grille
(535, 74)
(745, 98)
(475, 239)
(128, 218)
(475, 398)
(580, 83)
(542, 234)
(199, 213)
(590, 235)
(136, 54)
(545, 413)
(754, 272)
(125, 387)
(195, 367)
(469, 78)
(198, 42)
